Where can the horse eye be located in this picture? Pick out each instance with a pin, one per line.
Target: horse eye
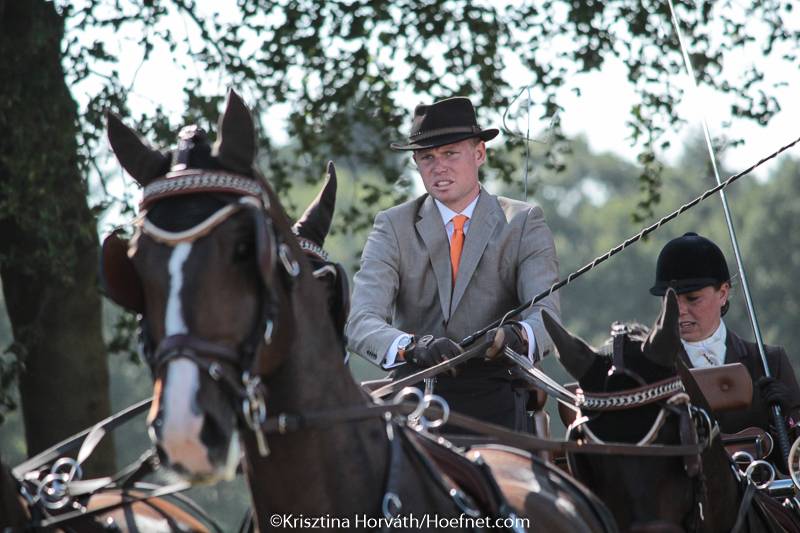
(243, 251)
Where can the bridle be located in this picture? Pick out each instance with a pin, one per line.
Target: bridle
(238, 370)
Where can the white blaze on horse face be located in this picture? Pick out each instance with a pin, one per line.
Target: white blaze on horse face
(174, 322)
(180, 437)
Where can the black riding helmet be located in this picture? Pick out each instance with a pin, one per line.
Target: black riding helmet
(689, 263)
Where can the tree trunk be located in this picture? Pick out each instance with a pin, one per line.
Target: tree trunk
(48, 239)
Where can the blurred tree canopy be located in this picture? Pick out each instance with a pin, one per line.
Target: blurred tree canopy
(349, 72)
(345, 75)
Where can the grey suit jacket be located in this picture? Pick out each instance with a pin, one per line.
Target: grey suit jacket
(404, 284)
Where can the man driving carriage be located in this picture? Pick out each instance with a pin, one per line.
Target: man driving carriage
(696, 269)
(441, 266)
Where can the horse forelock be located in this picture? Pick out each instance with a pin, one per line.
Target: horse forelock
(181, 212)
(635, 336)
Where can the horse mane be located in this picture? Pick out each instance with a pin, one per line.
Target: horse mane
(637, 332)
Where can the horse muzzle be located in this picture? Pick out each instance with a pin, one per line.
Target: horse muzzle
(193, 424)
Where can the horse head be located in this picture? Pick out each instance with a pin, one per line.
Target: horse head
(214, 268)
(630, 393)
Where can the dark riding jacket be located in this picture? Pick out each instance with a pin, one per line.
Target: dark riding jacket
(759, 414)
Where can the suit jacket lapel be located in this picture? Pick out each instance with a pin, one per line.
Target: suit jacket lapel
(430, 228)
(485, 217)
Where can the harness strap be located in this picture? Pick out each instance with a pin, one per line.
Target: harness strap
(287, 423)
(744, 507)
(619, 334)
(391, 503)
(183, 345)
(533, 443)
(463, 501)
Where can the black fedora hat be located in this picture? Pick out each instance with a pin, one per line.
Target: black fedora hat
(689, 263)
(444, 122)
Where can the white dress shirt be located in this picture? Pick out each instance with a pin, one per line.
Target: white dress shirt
(390, 358)
(710, 351)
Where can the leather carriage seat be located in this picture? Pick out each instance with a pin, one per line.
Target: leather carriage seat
(726, 387)
(730, 388)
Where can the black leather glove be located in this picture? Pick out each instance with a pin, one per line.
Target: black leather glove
(509, 334)
(774, 391)
(431, 351)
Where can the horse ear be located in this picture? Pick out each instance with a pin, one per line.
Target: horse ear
(236, 136)
(664, 342)
(140, 161)
(576, 356)
(315, 223)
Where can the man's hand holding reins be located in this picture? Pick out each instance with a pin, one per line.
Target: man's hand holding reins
(430, 351)
(510, 334)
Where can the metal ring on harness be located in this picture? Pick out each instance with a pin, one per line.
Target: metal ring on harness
(54, 491)
(74, 470)
(253, 406)
(292, 267)
(215, 371)
(752, 468)
(429, 400)
(391, 505)
(420, 407)
(463, 503)
(713, 427)
(744, 457)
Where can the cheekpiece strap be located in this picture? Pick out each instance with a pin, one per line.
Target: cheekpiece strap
(619, 333)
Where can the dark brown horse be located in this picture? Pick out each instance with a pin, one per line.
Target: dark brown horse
(637, 396)
(239, 333)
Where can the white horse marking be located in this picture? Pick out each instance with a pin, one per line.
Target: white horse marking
(182, 423)
(174, 322)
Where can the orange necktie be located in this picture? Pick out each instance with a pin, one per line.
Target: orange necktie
(457, 243)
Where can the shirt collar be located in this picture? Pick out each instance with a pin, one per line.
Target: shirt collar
(710, 351)
(447, 214)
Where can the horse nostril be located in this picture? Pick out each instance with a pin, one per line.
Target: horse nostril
(212, 433)
(215, 438)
